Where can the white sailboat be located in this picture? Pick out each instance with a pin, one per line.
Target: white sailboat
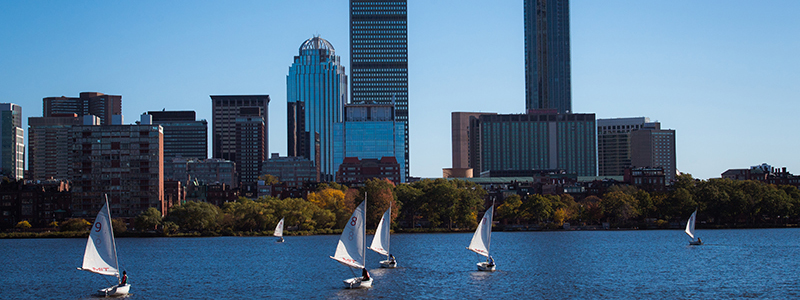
(690, 229)
(380, 243)
(351, 250)
(481, 240)
(279, 231)
(100, 255)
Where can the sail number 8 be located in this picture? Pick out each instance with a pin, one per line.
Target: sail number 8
(353, 221)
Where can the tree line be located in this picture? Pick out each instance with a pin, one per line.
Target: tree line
(721, 203)
(442, 204)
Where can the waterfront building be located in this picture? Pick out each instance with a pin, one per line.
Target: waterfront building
(354, 172)
(291, 171)
(764, 173)
(545, 141)
(50, 145)
(124, 162)
(370, 131)
(184, 136)
(547, 55)
(379, 58)
(225, 110)
(614, 145)
(12, 142)
(653, 147)
(316, 94)
(101, 105)
(38, 202)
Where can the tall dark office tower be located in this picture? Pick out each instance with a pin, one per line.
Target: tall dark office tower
(547, 60)
(225, 111)
(88, 103)
(183, 135)
(379, 58)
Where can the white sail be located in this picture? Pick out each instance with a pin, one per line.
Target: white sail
(690, 225)
(351, 248)
(380, 243)
(483, 235)
(279, 229)
(101, 254)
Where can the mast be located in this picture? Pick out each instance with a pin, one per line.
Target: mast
(364, 217)
(113, 240)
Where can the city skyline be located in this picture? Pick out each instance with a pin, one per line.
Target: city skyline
(725, 85)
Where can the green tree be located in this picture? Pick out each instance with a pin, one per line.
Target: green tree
(269, 179)
(619, 206)
(509, 210)
(411, 197)
(148, 219)
(333, 200)
(195, 216)
(118, 225)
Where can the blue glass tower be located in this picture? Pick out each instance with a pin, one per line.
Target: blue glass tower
(370, 131)
(316, 94)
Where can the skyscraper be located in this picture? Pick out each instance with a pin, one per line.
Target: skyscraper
(225, 110)
(12, 141)
(88, 103)
(547, 58)
(316, 94)
(379, 58)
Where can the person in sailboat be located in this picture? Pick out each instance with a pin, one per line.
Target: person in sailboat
(364, 274)
(124, 279)
(490, 261)
(391, 259)
(699, 241)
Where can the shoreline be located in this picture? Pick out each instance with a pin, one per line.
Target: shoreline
(85, 234)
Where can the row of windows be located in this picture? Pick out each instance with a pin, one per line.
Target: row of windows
(403, 50)
(378, 79)
(380, 27)
(395, 38)
(380, 60)
(378, 22)
(383, 84)
(362, 71)
(402, 56)
(371, 32)
(380, 12)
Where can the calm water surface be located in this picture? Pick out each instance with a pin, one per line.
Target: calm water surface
(733, 264)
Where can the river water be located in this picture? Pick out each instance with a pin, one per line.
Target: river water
(733, 264)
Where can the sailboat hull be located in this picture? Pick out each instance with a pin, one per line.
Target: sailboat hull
(696, 243)
(357, 283)
(115, 290)
(485, 266)
(388, 264)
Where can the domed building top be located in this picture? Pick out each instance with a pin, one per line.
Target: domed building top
(317, 43)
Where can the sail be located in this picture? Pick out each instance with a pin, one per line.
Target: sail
(690, 224)
(350, 251)
(483, 235)
(101, 255)
(279, 228)
(380, 243)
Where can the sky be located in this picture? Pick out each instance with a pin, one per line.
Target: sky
(724, 74)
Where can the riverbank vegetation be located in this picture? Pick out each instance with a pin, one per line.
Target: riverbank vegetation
(454, 205)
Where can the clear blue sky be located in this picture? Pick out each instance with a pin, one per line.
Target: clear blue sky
(724, 74)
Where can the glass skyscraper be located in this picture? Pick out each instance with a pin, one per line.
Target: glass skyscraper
(379, 58)
(12, 141)
(547, 58)
(316, 83)
(369, 132)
